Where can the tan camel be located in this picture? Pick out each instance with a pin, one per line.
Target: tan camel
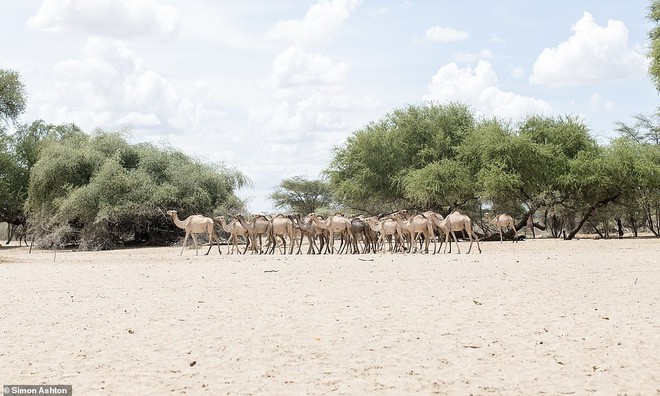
(336, 224)
(438, 224)
(386, 229)
(257, 228)
(282, 227)
(234, 229)
(418, 226)
(195, 224)
(458, 222)
(307, 228)
(502, 222)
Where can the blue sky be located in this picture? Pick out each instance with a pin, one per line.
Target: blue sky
(270, 87)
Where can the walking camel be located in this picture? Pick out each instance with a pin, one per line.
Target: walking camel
(336, 224)
(282, 227)
(418, 226)
(502, 222)
(456, 221)
(257, 228)
(234, 229)
(386, 229)
(195, 224)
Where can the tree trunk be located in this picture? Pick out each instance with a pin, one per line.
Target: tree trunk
(588, 214)
(619, 227)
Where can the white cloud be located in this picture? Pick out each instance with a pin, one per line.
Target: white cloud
(478, 87)
(115, 88)
(118, 18)
(445, 34)
(319, 23)
(593, 53)
(472, 57)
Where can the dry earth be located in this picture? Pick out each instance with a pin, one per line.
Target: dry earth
(536, 317)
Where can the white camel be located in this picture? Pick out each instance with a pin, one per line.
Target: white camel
(195, 224)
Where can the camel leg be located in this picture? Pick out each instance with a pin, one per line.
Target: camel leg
(184, 242)
(453, 234)
(477, 238)
(194, 238)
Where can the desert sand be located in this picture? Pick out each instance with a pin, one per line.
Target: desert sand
(536, 317)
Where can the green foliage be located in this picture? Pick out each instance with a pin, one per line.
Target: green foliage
(440, 158)
(440, 184)
(301, 195)
(654, 47)
(645, 130)
(99, 191)
(12, 96)
(370, 170)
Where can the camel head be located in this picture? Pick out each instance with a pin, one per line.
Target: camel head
(171, 213)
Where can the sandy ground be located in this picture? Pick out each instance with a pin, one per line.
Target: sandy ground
(536, 317)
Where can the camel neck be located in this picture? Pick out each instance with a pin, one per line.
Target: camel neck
(177, 222)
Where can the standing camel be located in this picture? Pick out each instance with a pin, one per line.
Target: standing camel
(458, 222)
(195, 224)
(419, 226)
(336, 224)
(259, 227)
(502, 222)
(311, 231)
(386, 229)
(234, 229)
(282, 227)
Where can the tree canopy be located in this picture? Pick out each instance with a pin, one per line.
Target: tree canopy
(301, 195)
(442, 157)
(12, 96)
(100, 191)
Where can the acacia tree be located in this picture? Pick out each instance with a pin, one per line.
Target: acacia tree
(99, 191)
(643, 137)
(372, 170)
(12, 96)
(301, 195)
(13, 176)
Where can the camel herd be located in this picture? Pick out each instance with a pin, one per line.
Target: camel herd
(397, 232)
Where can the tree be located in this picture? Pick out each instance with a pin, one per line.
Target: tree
(654, 48)
(12, 96)
(371, 171)
(99, 191)
(301, 195)
(645, 130)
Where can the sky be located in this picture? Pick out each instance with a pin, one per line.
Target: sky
(271, 87)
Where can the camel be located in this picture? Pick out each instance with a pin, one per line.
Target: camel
(458, 222)
(437, 221)
(258, 227)
(307, 228)
(386, 229)
(282, 227)
(195, 224)
(336, 224)
(502, 222)
(234, 229)
(417, 226)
